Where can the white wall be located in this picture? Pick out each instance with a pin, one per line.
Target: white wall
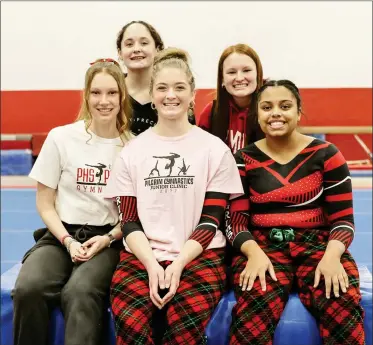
(48, 45)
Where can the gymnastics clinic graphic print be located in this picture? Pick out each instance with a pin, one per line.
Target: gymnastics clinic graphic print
(169, 173)
(92, 178)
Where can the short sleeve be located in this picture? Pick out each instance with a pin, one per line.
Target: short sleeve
(120, 182)
(226, 179)
(48, 166)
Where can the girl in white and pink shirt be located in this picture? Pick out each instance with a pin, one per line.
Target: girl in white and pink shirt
(172, 184)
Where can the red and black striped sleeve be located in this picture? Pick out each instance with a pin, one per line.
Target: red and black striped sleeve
(237, 227)
(212, 214)
(130, 222)
(338, 196)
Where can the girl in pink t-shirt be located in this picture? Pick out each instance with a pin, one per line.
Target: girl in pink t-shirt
(172, 184)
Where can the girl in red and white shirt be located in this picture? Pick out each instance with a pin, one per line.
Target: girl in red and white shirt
(230, 116)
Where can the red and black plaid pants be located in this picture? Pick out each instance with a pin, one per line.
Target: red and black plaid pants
(200, 289)
(257, 312)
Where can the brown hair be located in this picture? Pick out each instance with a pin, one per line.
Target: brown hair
(220, 111)
(125, 114)
(153, 32)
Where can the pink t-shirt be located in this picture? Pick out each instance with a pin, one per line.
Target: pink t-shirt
(170, 176)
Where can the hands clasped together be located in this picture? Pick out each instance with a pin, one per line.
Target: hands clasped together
(81, 252)
(160, 278)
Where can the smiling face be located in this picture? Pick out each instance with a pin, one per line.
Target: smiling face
(137, 47)
(278, 112)
(239, 75)
(104, 99)
(172, 94)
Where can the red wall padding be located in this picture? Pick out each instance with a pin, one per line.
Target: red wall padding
(32, 112)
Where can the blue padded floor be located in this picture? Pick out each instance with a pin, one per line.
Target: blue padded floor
(19, 219)
(16, 162)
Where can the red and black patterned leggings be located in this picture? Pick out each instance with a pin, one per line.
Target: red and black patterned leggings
(200, 289)
(257, 312)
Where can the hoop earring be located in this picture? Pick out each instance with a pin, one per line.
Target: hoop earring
(152, 105)
(192, 104)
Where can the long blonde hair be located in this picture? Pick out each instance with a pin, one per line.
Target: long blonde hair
(124, 116)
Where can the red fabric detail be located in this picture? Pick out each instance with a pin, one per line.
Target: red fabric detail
(211, 217)
(301, 163)
(204, 120)
(215, 202)
(315, 148)
(290, 193)
(340, 214)
(128, 209)
(257, 312)
(203, 237)
(300, 219)
(237, 127)
(339, 197)
(334, 162)
(345, 236)
(239, 205)
(188, 311)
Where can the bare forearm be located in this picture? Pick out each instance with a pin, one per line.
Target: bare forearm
(189, 252)
(45, 204)
(140, 247)
(117, 232)
(52, 220)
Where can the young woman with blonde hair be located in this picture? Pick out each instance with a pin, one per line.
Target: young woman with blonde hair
(73, 260)
(173, 182)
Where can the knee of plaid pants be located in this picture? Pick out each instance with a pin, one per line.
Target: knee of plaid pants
(200, 290)
(130, 301)
(341, 319)
(257, 312)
